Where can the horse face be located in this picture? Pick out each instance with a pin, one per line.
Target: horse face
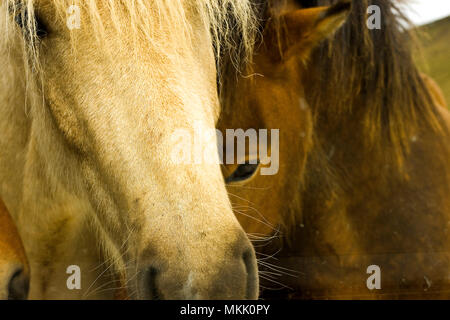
(14, 271)
(274, 98)
(114, 100)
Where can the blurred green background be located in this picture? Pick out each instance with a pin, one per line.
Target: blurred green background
(434, 58)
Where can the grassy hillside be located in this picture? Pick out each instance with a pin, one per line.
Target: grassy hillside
(435, 40)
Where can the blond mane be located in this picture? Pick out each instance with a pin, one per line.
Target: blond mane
(227, 20)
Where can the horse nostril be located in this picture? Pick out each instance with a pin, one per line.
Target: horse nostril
(152, 287)
(252, 274)
(18, 286)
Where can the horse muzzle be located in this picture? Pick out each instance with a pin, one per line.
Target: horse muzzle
(202, 277)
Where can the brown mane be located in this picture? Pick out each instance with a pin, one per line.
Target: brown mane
(372, 73)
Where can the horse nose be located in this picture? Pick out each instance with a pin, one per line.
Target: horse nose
(233, 277)
(18, 284)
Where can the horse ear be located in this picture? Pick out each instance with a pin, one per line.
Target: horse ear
(301, 30)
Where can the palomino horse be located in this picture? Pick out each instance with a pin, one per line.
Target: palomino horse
(14, 270)
(91, 94)
(361, 196)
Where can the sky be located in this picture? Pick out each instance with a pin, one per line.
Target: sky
(425, 11)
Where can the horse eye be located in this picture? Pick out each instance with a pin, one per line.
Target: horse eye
(242, 173)
(21, 19)
(41, 29)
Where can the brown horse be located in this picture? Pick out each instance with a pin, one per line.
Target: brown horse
(14, 270)
(363, 177)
